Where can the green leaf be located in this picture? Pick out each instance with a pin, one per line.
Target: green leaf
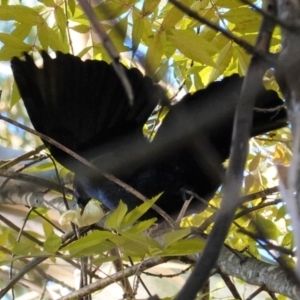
(254, 163)
(249, 181)
(81, 28)
(45, 166)
(49, 3)
(90, 244)
(174, 236)
(242, 14)
(52, 244)
(149, 6)
(137, 31)
(228, 3)
(242, 60)
(267, 227)
(147, 31)
(134, 249)
(50, 38)
(281, 213)
(61, 20)
(184, 247)
(22, 31)
(22, 248)
(20, 13)
(116, 217)
(98, 261)
(287, 240)
(173, 16)
(155, 52)
(84, 51)
(223, 61)
(15, 95)
(143, 240)
(34, 214)
(193, 46)
(48, 228)
(110, 10)
(118, 34)
(72, 6)
(141, 226)
(139, 211)
(12, 41)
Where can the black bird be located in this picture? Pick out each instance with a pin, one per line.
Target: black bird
(83, 106)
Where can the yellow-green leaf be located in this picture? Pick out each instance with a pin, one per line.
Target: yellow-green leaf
(89, 243)
(49, 3)
(136, 213)
(174, 236)
(223, 60)
(173, 16)
(254, 163)
(20, 13)
(137, 30)
(155, 52)
(13, 42)
(118, 34)
(266, 227)
(110, 10)
(15, 95)
(48, 228)
(22, 31)
(116, 217)
(141, 226)
(142, 239)
(52, 244)
(61, 20)
(149, 6)
(81, 28)
(184, 247)
(22, 248)
(50, 38)
(72, 6)
(193, 46)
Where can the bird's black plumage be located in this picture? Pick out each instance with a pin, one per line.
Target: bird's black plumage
(83, 105)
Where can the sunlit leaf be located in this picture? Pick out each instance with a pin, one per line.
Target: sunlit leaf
(136, 213)
(61, 20)
(267, 227)
(90, 244)
(174, 236)
(20, 13)
(52, 243)
(222, 62)
(72, 6)
(13, 42)
(49, 3)
(116, 217)
(155, 52)
(137, 31)
(193, 46)
(254, 163)
(184, 247)
(81, 28)
(173, 16)
(48, 37)
(149, 6)
(110, 10)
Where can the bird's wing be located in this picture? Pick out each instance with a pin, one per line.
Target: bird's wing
(210, 112)
(82, 104)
